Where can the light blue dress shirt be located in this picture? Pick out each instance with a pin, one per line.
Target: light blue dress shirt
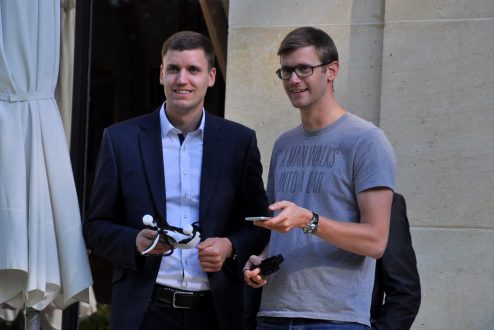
(182, 164)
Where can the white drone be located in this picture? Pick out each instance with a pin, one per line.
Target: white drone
(178, 238)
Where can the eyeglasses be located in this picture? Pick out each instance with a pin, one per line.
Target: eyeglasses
(301, 71)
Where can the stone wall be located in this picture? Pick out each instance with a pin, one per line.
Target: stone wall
(423, 71)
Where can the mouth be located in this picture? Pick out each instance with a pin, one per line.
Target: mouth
(298, 91)
(182, 91)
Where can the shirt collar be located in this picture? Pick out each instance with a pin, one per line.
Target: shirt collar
(167, 127)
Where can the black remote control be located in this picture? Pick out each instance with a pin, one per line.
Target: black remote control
(269, 265)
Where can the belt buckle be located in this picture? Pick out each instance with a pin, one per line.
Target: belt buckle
(181, 293)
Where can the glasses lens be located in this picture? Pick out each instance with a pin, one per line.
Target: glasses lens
(278, 73)
(303, 70)
(286, 73)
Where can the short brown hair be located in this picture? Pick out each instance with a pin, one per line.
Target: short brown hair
(309, 36)
(189, 40)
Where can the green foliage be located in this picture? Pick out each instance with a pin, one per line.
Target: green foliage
(98, 321)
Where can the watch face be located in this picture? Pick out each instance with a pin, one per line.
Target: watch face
(312, 226)
(309, 228)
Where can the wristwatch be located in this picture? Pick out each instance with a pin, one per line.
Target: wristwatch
(311, 227)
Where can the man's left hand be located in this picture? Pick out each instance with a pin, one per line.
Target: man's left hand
(290, 216)
(213, 252)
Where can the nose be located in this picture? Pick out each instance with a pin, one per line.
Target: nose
(182, 77)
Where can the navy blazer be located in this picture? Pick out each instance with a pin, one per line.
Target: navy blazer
(130, 183)
(397, 278)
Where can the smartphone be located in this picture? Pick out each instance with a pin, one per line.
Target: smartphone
(257, 218)
(270, 265)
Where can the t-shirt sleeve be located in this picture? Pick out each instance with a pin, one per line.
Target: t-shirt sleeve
(374, 162)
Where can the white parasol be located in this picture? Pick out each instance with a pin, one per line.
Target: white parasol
(42, 253)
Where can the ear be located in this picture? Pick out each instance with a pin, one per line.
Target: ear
(333, 68)
(212, 77)
(162, 80)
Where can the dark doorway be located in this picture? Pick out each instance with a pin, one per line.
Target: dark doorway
(119, 44)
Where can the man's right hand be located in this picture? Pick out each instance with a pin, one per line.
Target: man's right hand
(146, 238)
(252, 277)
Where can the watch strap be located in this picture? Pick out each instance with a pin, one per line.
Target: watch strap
(311, 227)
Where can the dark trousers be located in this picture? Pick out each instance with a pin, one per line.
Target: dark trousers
(160, 315)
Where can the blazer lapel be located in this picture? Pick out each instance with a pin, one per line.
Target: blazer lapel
(211, 158)
(152, 157)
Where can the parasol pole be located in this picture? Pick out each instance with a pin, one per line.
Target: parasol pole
(32, 319)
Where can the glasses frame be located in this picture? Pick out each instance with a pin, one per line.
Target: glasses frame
(292, 70)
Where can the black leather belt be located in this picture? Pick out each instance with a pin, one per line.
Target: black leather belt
(179, 298)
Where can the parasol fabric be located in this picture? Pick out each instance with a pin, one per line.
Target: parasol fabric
(42, 253)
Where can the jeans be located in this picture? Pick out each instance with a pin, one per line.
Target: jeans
(279, 323)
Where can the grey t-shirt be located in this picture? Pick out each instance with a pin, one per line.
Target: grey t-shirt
(323, 171)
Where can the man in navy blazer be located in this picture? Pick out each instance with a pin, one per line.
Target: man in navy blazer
(396, 296)
(182, 165)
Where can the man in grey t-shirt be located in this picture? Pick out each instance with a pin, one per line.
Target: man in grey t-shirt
(331, 184)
